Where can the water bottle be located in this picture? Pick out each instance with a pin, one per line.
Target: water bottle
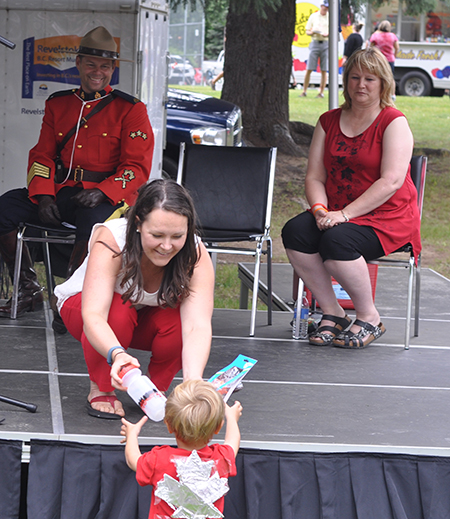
(300, 324)
(142, 390)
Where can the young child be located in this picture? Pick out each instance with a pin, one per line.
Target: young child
(194, 475)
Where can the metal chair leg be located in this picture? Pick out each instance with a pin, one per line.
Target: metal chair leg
(269, 281)
(48, 266)
(255, 289)
(17, 269)
(417, 303)
(409, 303)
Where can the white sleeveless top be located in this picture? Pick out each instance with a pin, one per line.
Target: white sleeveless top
(74, 284)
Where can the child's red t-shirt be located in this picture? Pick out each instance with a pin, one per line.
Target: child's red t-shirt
(153, 465)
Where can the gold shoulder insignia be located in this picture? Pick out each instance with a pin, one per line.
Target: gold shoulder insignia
(37, 170)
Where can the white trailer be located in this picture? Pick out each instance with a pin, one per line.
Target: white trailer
(421, 68)
(43, 31)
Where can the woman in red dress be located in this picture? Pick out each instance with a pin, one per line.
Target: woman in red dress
(363, 203)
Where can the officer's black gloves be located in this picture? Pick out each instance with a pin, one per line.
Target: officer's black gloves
(89, 198)
(48, 210)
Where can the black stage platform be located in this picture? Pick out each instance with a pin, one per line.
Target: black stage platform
(304, 406)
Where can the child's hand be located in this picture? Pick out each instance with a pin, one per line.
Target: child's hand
(233, 413)
(129, 428)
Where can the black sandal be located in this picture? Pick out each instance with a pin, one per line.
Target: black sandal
(324, 335)
(356, 341)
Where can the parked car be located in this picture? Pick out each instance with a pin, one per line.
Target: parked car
(211, 69)
(199, 119)
(181, 71)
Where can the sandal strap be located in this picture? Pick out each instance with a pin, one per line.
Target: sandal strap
(327, 333)
(375, 330)
(343, 322)
(323, 329)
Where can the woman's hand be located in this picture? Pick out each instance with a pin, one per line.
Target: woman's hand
(120, 360)
(327, 220)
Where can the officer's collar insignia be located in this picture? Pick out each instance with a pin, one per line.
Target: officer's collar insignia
(92, 96)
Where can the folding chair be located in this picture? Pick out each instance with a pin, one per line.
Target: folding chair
(418, 173)
(232, 189)
(46, 235)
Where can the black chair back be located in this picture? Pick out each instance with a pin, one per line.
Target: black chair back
(230, 188)
(418, 175)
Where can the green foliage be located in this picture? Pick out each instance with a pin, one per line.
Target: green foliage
(215, 20)
(349, 8)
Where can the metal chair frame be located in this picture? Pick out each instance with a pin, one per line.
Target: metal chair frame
(59, 235)
(418, 174)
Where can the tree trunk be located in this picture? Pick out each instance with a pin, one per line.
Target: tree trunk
(258, 64)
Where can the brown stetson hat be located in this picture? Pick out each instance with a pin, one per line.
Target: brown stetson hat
(99, 43)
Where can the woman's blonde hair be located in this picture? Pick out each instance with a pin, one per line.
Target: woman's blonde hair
(384, 26)
(194, 411)
(374, 61)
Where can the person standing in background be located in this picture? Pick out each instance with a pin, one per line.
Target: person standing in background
(386, 41)
(317, 27)
(353, 43)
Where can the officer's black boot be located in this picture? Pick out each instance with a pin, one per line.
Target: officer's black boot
(30, 296)
(76, 259)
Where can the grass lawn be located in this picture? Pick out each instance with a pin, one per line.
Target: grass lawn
(429, 117)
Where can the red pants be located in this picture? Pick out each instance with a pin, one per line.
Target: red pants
(152, 329)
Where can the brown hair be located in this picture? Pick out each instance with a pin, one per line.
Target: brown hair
(194, 411)
(372, 60)
(170, 196)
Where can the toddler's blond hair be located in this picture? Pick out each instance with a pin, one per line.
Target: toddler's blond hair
(194, 411)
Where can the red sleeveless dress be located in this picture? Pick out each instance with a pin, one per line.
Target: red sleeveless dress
(353, 165)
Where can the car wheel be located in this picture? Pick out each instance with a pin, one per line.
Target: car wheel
(415, 84)
(170, 168)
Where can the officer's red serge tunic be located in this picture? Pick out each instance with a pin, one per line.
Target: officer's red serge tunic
(118, 140)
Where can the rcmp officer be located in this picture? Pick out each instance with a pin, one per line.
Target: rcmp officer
(94, 152)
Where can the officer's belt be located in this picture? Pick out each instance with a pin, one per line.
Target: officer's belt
(84, 175)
